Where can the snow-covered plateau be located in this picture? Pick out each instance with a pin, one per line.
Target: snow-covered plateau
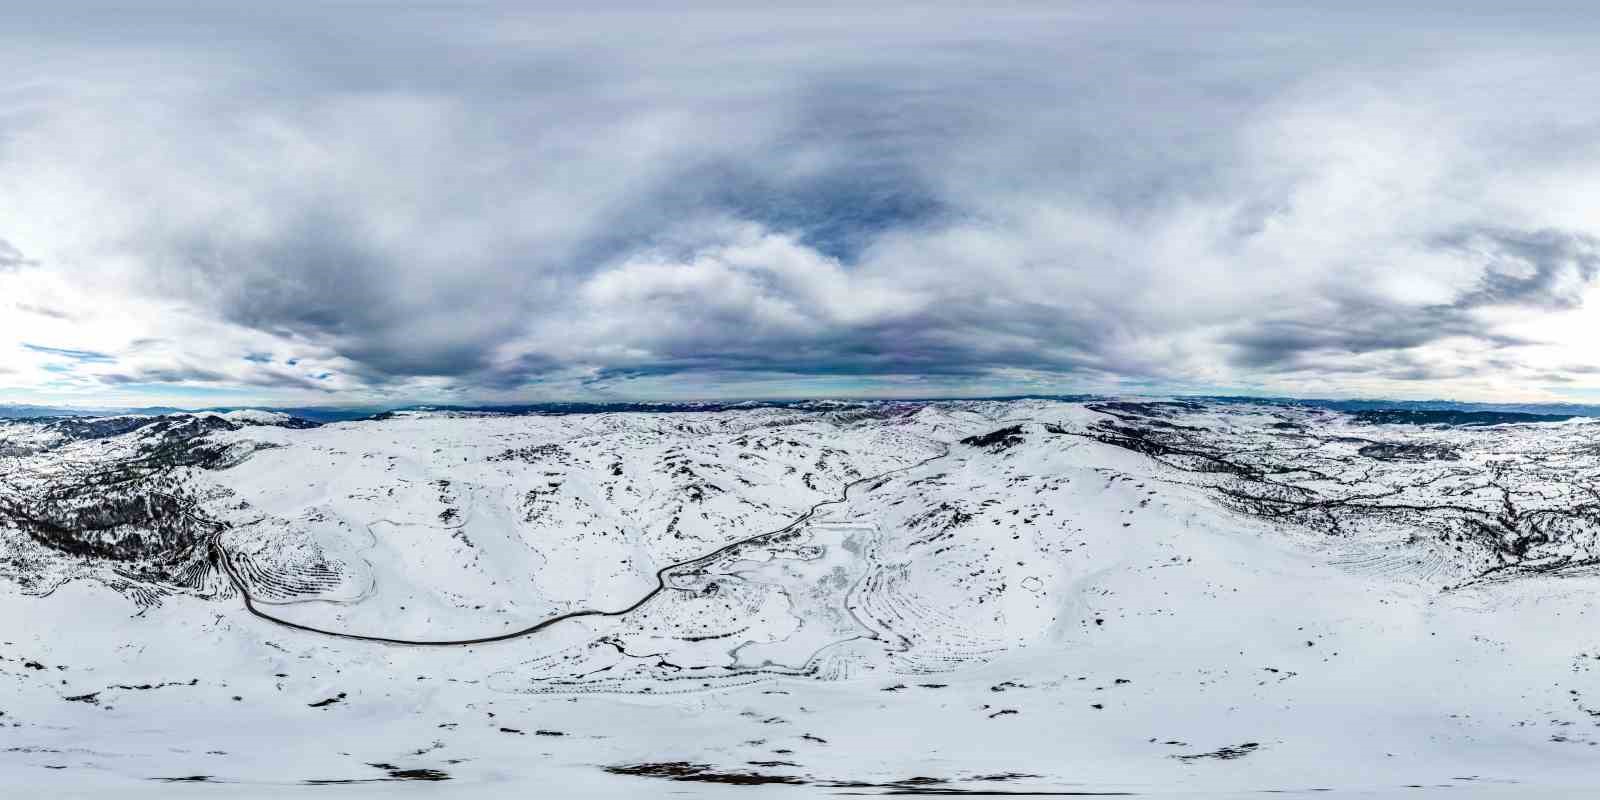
(1150, 598)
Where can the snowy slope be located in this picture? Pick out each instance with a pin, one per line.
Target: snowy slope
(1154, 598)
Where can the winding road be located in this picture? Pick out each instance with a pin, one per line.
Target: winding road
(221, 557)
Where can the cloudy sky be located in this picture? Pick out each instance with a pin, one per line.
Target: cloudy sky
(485, 202)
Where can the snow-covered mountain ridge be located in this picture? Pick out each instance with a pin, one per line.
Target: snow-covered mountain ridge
(1129, 596)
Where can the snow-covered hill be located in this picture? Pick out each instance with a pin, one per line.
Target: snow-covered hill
(887, 598)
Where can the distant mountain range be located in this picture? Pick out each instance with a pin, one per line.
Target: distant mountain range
(1419, 411)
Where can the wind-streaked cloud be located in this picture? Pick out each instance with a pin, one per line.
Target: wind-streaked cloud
(11, 258)
(500, 202)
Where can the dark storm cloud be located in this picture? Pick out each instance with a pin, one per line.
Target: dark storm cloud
(963, 337)
(168, 375)
(319, 281)
(1543, 269)
(265, 378)
(476, 198)
(1354, 327)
